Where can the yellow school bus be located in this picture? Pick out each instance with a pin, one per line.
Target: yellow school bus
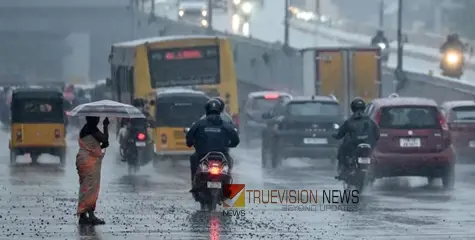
(345, 72)
(201, 62)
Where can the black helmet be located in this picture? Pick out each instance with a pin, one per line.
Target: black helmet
(357, 105)
(214, 106)
(221, 101)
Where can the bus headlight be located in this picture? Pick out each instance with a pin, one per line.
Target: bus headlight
(204, 23)
(237, 2)
(181, 13)
(246, 7)
(204, 13)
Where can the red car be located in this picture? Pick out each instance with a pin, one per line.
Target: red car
(414, 139)
(460, 116)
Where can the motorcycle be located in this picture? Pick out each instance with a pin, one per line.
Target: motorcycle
(358, 174)
(452, 63)
(212, 173)
(135, 151)
(384, 52)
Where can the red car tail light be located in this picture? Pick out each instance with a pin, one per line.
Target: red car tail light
(445, 130)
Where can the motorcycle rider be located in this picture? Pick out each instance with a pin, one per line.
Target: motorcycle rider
(211, 134)
(453, 41)
(379, 38)
(80, 98)
(357, 129)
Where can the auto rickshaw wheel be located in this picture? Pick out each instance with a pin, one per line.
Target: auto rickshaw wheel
(13, 156)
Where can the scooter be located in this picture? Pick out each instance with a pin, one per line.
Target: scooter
(212, 173)
(358, 174)
(135, 152)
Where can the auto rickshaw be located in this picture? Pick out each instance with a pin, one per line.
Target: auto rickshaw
(175, 110)
(37, 124)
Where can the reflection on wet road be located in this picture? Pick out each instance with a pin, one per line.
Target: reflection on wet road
(39, 202)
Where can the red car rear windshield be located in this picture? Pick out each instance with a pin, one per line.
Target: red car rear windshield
(409, 117)
(463, 113)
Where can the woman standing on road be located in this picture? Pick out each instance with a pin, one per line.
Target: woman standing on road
(88, 164)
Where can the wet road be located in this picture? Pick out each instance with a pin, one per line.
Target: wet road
(39, 201)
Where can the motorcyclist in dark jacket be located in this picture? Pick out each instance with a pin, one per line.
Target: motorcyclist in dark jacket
(211, 134)
(453, 41)
(359, 128)
(379, 38)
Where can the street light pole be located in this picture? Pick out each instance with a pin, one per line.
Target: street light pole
(381, 14)
(286, 23)
(400, 42)
(399, 73)
(209, 18)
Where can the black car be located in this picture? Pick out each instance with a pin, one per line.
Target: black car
(301, 127)
(258, 103)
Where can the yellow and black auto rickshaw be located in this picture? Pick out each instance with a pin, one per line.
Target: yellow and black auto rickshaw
(175, 110)
(37, 124)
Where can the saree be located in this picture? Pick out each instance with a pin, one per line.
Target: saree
(88, 165)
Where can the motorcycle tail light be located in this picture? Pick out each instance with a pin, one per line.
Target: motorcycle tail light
(214, 170)
(57, 133)
(141, 136)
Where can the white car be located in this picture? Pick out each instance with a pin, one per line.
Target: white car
(194, 9)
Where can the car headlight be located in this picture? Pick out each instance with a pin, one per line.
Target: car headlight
(204, 13)
(181, 13)
(382, 45)
(336, 126)
(237, 2)
(246, 7)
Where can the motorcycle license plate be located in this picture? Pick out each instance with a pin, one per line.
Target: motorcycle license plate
(315, 141)
(214, 184)
(364, 160)
(140, 144)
